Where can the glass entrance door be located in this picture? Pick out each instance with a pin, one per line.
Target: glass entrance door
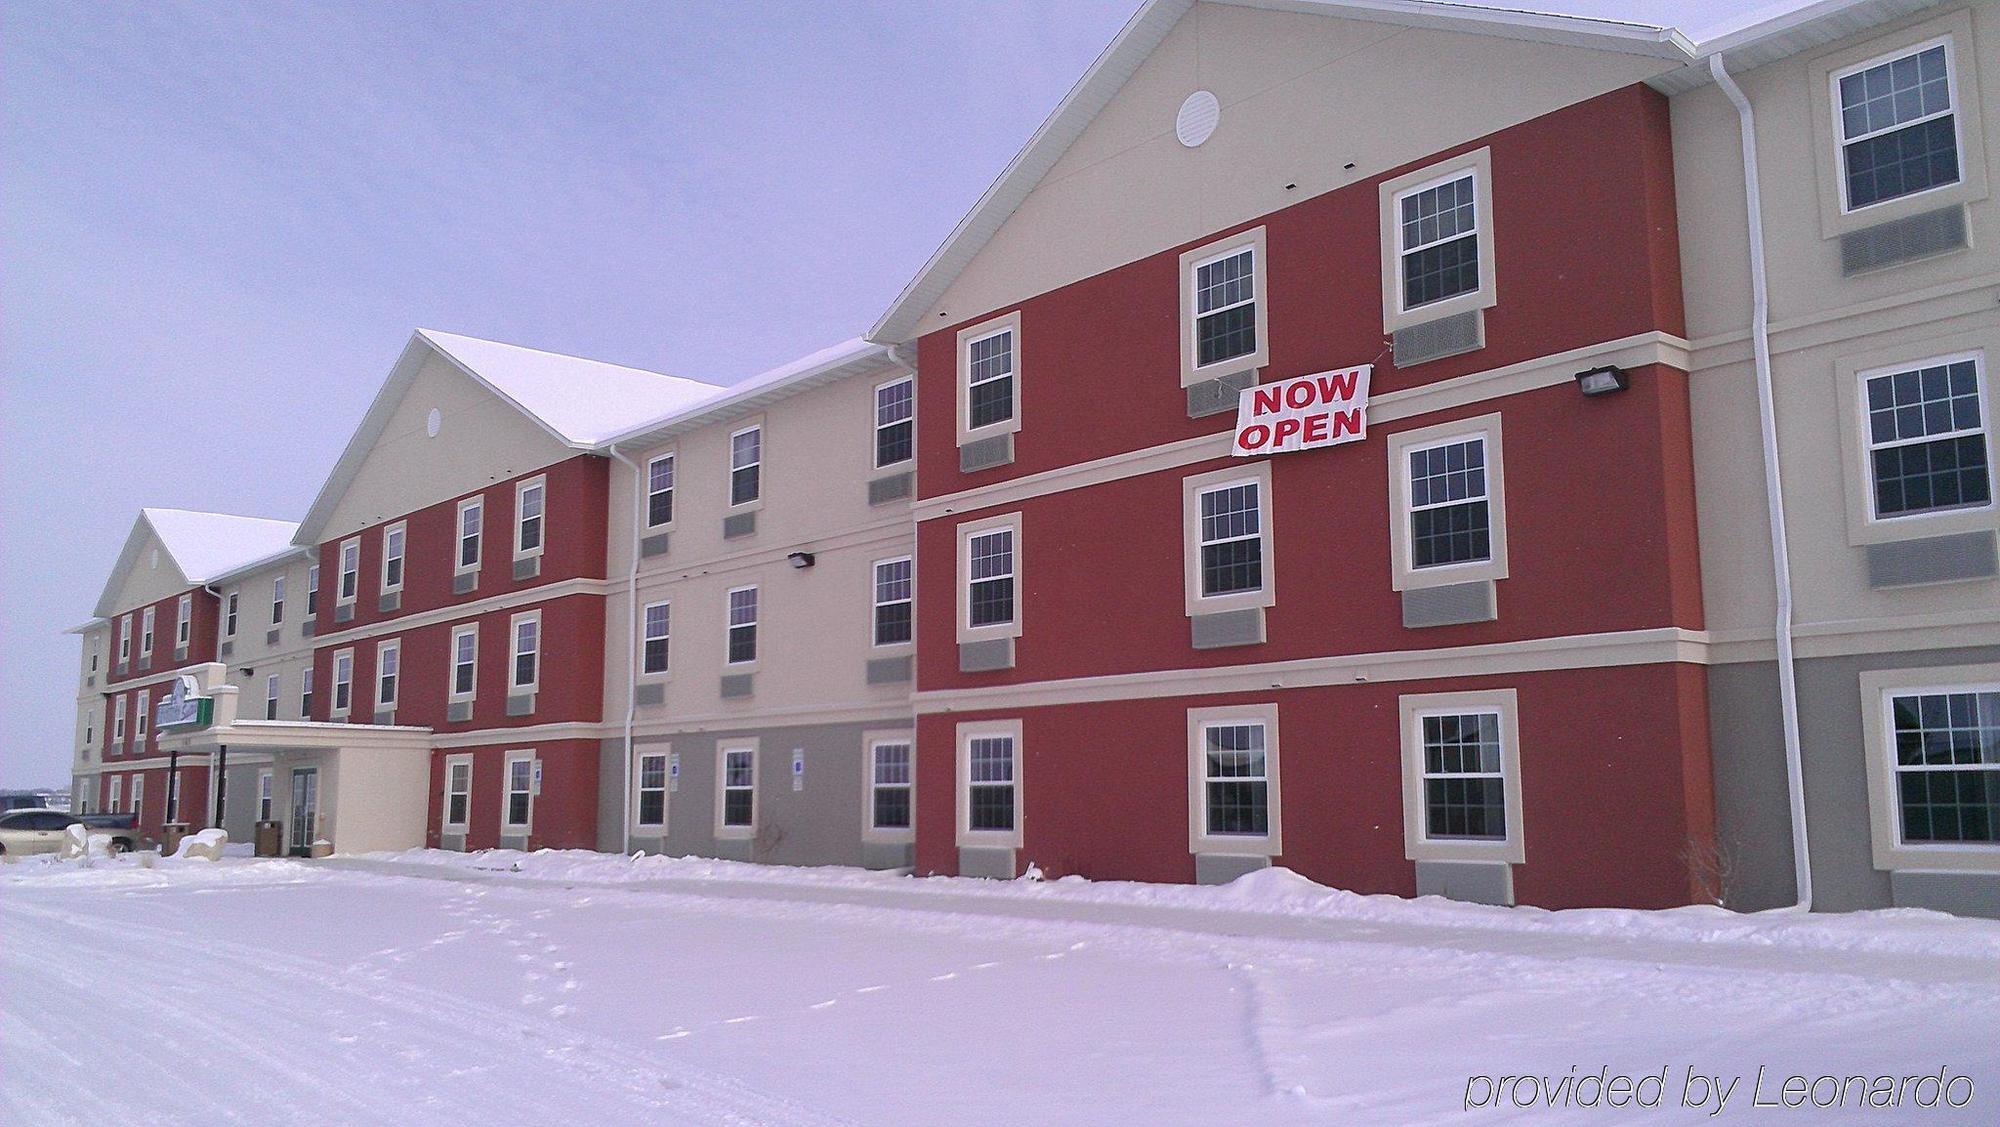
(305, 809)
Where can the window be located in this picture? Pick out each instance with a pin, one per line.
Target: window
(124, 640)
(277, 600)
(989, 784)
(1947, 766)
(350, 571)
(264, 796)
(470, 515)
(119, 707)
(990, 581)
(1235, 779)
(650, 811)
(746, 463)
(653, 645)
(1437, 240)
(464, 662)
(271, 697)
(394, 541)
(530, 498)
(343, 682)
(660, 491)
(312, 590)
(388, 669)
(117, 797)
(457, 791)
(520, 798)
(183, 624)
(1926, 438)
(736, 803)
(526, 630)
(742, 625)
(890, 782)
(990, 380)
(1898, 133)
(140, 713)
(138, 794)
(893, 596)
(1232, 557)
(1461, 776)
(895, 425)
(89, 727)
(1446, 482)
(229, 614)
(306, 692)
(146, 619)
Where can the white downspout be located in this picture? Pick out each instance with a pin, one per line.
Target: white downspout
(1781, 560)
(631, 647)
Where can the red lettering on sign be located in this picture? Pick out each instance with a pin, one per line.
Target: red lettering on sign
(1284, 429)
(1316, 427)
(1267, 400)
(1347, 422)
(1337, 385)
(1254, 436)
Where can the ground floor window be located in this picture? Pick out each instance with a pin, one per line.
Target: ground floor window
(263, 796)
(520, 791)
(1236, 782)
(1947, 765)
(990, 784)
(653, 789)
(739, 786)
(890, 782)
(1464, 787)
(457, 792)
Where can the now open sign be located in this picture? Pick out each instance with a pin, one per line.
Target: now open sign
(1325, 409)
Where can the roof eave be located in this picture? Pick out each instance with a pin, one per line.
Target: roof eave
(736, 403)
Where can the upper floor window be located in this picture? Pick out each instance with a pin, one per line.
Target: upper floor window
(1232, 547)
(271, 697)
(1449, 519)
(1437, 240)
(183, 620)
(894, 586)
(124, 639)
(742, 625)
(306, 692)
(1897, 127)
(464, 661)
(895, 425)
(343, 682)
(229, 609)
(388, 673)
(660, 491)
(119, 706)
(530, 497)
(277, 600)
(990, 578)
(146, 619)
(140, 708)
(653, 647)
(394, 541)
(527, 657)
(312, 590)
(350, 571)
(1926, 437)
(746, 464)
(1225, 307)
(989, 379)
(471, 514)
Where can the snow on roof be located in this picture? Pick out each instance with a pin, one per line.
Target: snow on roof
(849, 357)
(583, 402)
(206, 545)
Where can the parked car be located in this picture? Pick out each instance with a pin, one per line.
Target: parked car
(23, 832)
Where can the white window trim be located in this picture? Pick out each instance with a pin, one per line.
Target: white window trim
(869, 741)
(278, 599)
(312, 590)
(232, 612)
(1841, 140)
(521, 491)
(1480, 163)
(756, 623)
(115, 803)
(1851, 375)
(138, 796)
(451, 663)
(966, 631)
(458, 566)
(1417, 843)
(508, 827)
(141, 706)
(644, 638)
(1192, 488)
(729, 464)
(401, 528)
(875, 605)
(647, 487)
(875, 434)
(266, 793)
(1956, 30)
(382, 652)
(1401, 445)
(273, 694)
(1199, 720)
(340, 596)
(445, 824)
(333, 706)
(514, 651)
(121, 708)
(1192, 261)
(148, 623)
(722, 750)
(664, 753)
(969, 838)
(183, 622)
(1890, 852)
(967, 433)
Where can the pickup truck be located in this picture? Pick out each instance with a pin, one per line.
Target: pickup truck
(23, 832)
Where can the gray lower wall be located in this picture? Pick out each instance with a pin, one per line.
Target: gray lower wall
(818, 825)
(1753, 818)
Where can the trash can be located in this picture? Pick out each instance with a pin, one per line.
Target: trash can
(321, 848)
(270, 839)
(170, 837)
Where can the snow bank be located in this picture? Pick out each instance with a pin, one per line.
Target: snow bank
(206, 845)
(1282, 892)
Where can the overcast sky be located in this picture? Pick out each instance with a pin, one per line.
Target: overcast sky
(223, 220)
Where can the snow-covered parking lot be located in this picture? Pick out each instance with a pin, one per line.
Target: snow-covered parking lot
(431, 988)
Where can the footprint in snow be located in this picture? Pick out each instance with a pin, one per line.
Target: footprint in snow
(870, 989)
(825, 1004)
(739, 1020)
(674, 1036)
(560, 1011)
(946, 977)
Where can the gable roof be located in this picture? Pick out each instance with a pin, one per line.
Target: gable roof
(1144, 33)
(203, 547)
(848, 358)
(580, 403)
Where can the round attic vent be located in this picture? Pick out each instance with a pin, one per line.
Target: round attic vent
(1197, 118)
(433, 422)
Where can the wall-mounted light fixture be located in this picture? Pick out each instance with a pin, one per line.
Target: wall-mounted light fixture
(1603, 381)
(800, 560)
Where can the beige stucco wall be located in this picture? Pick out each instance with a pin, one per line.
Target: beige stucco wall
(482, 439)
(254, 657)
(153, 576)
(1302, 96)
(1822, 326)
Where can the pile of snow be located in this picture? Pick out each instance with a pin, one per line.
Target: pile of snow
(206, 845)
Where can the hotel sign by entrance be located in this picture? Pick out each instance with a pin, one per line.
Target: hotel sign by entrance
(184, 706)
